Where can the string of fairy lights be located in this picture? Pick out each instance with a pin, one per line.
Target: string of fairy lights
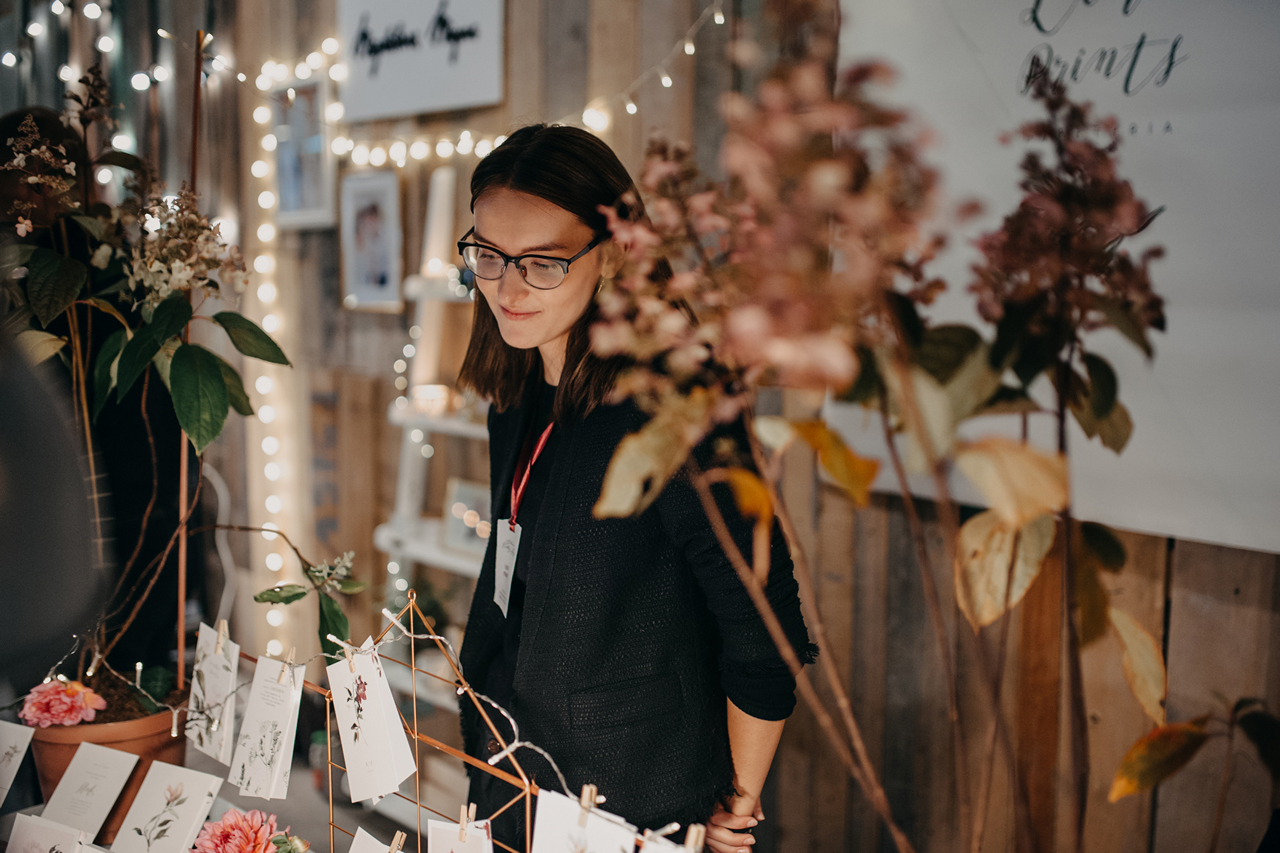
(273, 80)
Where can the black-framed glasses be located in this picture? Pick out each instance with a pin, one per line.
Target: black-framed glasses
(539, 271)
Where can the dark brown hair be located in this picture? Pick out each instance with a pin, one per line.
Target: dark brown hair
(575, 171)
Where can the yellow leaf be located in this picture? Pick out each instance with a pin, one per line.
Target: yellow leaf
(773, 431)
(645, 460)
(750, 494)
(1019, 482)
(932, 402)
(37, 345)
(105, 306)
(1157, 756)
(854, 473)
(1143, 664)
(982, 564)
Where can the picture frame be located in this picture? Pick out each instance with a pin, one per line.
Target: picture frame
(371, 241)
(305, 163)
(461, 531)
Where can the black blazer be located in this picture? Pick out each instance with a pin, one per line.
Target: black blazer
(632, 627)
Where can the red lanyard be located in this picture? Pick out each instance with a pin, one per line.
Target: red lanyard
(517, 490)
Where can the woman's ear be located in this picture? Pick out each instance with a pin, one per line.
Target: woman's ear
(612, 257)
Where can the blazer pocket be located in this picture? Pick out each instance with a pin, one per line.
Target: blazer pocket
(625, 702)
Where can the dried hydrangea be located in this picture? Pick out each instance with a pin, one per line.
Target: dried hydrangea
(183, 252)
(48, 169)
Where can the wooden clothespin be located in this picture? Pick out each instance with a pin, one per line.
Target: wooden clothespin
(287, 668)
(587, 801)
(397, 842)
(695, 837)
(351, 661)
(222, 636)
(466, 817)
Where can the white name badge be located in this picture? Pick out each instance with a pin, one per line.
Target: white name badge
(505, 565)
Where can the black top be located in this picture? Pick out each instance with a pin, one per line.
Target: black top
(633, 630)
(502, 672)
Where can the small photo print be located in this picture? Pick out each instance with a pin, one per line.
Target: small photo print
(371, 241)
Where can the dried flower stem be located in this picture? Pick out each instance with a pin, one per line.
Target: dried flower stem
(864, 774)
(1228, 765)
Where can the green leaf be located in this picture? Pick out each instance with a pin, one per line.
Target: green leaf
(332, 621)
(1091, 601)
(1011, 330)
(1264, 730)
(95, 228)
(53, 283)
(909, 322)
(1103, 385)
(1102, 542)
(944, 348)
(1120, 316)
(158, 681)
(1007, 400)
(167, 320)
(249, 339)
(1156, 756)
(104, 370)
(235, 388)
(106, 307)
(286, 593)
(37, 345)
(199, 394)
(866, 390)
(350, 586)
(123, 159)
(1036, 355)
(13, 256)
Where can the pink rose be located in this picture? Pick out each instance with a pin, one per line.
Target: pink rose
(238, 832)
(62, 703)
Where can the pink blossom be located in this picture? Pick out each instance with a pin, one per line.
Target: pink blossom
(238, 832)
(60, 703)
(24, 226)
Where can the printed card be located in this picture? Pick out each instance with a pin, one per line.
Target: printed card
(264, 750)
(14, 740)
(168, 811)
(366, 843)
(556, 828)
(442, 837)
(33, 834)
(402, 763)
(89, 787)
(366, 742)
(213, 685)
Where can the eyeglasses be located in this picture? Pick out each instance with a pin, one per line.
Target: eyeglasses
(539, 271)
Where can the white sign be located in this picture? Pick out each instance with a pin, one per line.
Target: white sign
(1194, 87)
(406, 57)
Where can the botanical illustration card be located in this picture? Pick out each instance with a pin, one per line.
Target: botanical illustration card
(557, 828)
(213, 684)
(168, 811)
(366, 743)
(402, 763)
(14, 740)
(442, 837)
(89, 787)
(33, 834)
(265, 745)
(366, 843)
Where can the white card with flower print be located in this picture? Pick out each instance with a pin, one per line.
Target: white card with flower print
(89, 787)
(264, 748)
(442, 837)
(373, 740)
(14, 740)
(213, 685)
(556, 828)
(168, 811)
(32, 834)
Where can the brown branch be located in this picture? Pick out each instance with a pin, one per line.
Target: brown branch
(151, 503)
(870, 785)
(306, 564)
(1227, 767)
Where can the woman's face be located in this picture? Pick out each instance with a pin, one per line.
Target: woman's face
(517, 223)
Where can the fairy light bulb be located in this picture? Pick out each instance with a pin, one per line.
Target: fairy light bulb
(689, 48)
(665, 78)
(274, 561)
(631, 106)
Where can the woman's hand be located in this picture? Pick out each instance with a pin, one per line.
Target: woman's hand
(726, 830)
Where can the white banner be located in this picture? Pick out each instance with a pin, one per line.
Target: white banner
(407, 57)
(1198, 98)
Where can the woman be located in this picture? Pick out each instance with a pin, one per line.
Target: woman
(627, 648)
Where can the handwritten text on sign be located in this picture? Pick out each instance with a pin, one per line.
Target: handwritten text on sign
(406, 57)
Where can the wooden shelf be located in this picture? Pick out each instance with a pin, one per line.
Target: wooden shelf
(419, 540)
(441, 424)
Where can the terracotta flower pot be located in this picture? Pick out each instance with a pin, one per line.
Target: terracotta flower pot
(148, 737)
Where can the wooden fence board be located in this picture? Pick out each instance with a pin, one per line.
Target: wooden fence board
(870, 630)
(1224, 635)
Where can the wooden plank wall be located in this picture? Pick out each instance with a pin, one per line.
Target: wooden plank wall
(1216, 609)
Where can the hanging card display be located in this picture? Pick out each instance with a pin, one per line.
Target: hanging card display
(211, 722)
(264, 749)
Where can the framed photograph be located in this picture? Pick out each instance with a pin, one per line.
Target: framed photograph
(305, 164)
(467, 519)
(371, 236)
